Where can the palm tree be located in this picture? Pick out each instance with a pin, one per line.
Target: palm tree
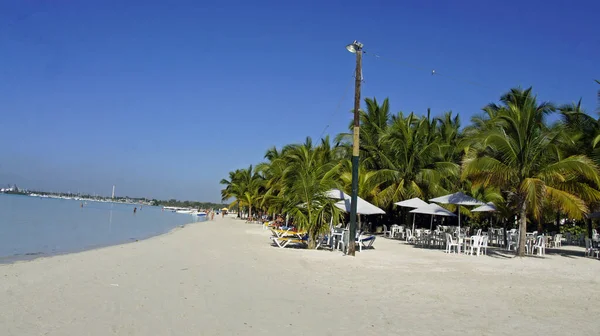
(518, 155)
(414, 166)
(245, 185)
(233, 189)
(273, 172)
(312, 172)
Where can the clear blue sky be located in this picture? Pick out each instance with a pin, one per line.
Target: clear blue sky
(163, 98)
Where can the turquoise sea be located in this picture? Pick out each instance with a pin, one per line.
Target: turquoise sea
(32, 226)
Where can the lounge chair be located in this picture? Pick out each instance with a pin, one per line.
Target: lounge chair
(285, 241)
(365, 241)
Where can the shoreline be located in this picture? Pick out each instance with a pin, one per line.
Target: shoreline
(25, 258)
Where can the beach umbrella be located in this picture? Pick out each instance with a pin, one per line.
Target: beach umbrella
(412, 203)
(488, 207)
(459, 199)
(433, 210)
(337, 194)
(362, 207)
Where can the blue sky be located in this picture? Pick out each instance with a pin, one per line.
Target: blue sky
(163, 98)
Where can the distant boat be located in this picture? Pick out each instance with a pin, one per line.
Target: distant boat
(201, 213)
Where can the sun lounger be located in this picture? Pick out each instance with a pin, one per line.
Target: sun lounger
(290, 238)
(365, 241)
(285, 241)
(282, 233)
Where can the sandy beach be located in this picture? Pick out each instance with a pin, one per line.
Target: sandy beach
(224, 278)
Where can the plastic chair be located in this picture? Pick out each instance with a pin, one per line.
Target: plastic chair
(450, 243)
(540, 245)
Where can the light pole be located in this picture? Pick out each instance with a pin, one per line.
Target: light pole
(355, 48)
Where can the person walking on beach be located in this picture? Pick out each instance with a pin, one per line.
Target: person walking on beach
(212, 215)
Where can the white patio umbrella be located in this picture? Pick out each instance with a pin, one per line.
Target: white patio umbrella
(488, 207)
(337, 194)
(459, 199)
(412, 203)
(362, 207)
(433, 210)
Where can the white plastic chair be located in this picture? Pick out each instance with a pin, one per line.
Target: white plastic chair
(484, 243)
(386, 232)
(512, 241)
(475, 245)
(557, 241)
(540, 245)
(409, 236)
(450, 243)
(589, 250)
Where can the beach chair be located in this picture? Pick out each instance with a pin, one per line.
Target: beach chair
(365, 241)
(282, 242)
(279, 233)
(295, 238)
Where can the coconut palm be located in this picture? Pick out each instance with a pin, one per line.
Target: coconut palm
(414, 164)
(312, 172)
(233, 189)
(245, 185)
(518, 156)
(273, 171)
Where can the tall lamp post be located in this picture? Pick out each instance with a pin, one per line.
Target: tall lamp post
(355, 48)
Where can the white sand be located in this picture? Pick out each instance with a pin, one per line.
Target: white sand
(224, 278)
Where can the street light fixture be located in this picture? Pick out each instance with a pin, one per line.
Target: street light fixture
(355, 48)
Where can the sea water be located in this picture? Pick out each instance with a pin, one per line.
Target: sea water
(32, 226)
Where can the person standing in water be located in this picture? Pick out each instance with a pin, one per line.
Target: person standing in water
(134, 210)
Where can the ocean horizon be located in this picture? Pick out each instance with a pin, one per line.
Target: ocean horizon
(32, 227)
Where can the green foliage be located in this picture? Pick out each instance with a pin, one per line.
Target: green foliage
(509, 155)
(517, 152)
(574, 229)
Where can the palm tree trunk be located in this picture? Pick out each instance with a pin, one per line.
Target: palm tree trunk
(522, 230)
(312, 239)
(249, 211)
